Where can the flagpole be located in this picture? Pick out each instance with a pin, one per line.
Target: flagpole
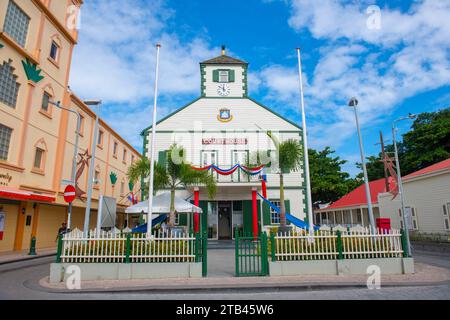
(305, 151)
(152, 152)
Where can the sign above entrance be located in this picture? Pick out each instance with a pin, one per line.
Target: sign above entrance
(225, 141)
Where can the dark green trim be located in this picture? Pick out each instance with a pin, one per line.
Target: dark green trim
(143, 132)
(275, 113)
(245, 81)
(285, 188)
(203, 81)
(221, 131)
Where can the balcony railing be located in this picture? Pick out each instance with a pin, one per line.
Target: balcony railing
(237, 177)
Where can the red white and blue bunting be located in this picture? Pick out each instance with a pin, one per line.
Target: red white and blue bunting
(227, 172)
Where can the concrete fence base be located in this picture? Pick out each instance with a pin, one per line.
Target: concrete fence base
(341, 267)
(123, 271)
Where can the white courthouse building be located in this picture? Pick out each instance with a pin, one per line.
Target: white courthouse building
(224, 127)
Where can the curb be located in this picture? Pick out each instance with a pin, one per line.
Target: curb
(27, 258)
(261, 287)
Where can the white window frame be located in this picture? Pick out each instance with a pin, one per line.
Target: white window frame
(276, 203)
(226, 74)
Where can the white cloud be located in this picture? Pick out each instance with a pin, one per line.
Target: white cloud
(407, 56)
(115, 57)
(115, 61)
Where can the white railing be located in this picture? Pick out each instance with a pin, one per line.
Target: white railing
(108, 247)
(327, 245)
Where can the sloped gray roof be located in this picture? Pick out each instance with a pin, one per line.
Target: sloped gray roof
(224, 59)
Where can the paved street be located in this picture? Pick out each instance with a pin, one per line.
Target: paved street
(20, 281)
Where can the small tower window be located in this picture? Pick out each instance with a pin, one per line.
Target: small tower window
(223, 76)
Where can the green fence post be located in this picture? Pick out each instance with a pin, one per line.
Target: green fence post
(197, 247)
(264, 255)
(339, 245)
(128, 248)
(404, 244)
(236, 252)
(205, 254)
(272, 247)
(59, 248)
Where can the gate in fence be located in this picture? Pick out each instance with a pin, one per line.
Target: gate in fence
(251, 255)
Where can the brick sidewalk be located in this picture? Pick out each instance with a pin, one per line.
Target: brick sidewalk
(425, 274)
(16, 256)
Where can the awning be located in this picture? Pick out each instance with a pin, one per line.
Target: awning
(161, 204)
(25, 195)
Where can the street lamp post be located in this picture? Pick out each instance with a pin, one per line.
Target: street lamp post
(75, 154)
(87, 214)
(399, 177)
(354, 104)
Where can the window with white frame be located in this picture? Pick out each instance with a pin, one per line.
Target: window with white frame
(446, 208)
(5, 139)
(16, 23)
(9, 88)
(275, 216)
(223, 76)
(177, 219)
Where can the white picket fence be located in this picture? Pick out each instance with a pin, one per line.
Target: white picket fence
(324, 245)
(111, 247)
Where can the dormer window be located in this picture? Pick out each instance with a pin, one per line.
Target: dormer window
(223, 76)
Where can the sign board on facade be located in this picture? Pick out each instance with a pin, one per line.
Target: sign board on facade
(5, 179)
(225, 141)
(107, 209)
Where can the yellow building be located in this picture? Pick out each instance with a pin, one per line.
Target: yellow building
(37, 38)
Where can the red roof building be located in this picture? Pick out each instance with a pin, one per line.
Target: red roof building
(351, 209)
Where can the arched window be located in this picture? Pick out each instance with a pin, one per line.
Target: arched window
(55, 48)
(40, 154)
(47, 95)
(9, 88)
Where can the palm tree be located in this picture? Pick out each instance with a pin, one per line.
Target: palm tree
(290, 157)
(177, 173)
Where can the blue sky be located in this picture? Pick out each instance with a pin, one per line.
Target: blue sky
(402, 66)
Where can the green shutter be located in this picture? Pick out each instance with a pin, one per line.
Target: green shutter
(266, 214)
(162, 158)
(216, 75)
(231, 75)
(182, 221)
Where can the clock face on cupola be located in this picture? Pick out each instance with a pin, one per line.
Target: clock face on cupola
(224, 77)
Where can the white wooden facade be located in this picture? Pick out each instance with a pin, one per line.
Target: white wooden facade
(427, 198)
(195, 125)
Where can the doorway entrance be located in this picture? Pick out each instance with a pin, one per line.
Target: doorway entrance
(225, 216)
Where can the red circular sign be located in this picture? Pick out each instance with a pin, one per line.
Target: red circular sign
(69, 194)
